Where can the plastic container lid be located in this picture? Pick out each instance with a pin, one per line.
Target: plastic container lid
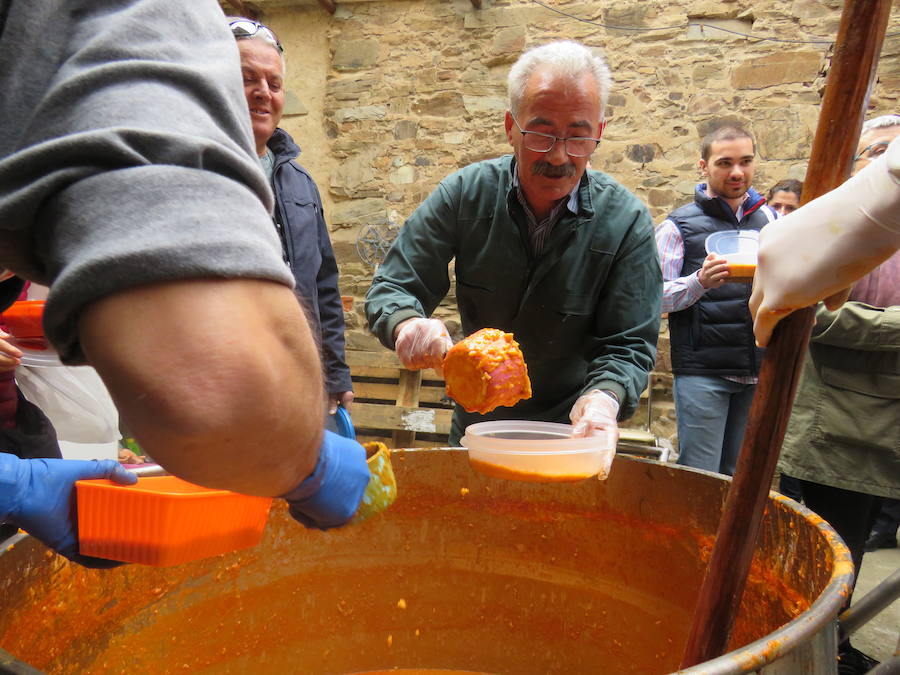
(39, 359)
(536, 451)
(165, 521)
(736, 246)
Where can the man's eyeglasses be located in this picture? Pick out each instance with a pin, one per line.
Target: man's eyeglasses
(870, 152)
(576, 146)
(245, 28)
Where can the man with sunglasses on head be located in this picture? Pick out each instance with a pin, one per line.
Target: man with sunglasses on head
(298, 216)
(129, 186)
(561, 256)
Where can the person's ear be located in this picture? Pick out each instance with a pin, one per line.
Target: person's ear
(701, 165)
(508, 122)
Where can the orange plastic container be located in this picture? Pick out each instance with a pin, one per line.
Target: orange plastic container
(24, 319)
(164, 521)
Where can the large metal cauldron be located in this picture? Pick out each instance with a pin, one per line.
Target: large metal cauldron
(464, 572)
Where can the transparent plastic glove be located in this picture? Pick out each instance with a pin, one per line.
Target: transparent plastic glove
(38, 495)
(593, 412)
(422, 343)
(819, 250)
(332, 493)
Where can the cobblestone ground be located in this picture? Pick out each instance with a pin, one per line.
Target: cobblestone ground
(878, 638)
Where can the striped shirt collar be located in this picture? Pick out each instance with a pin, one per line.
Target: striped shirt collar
(539, 232)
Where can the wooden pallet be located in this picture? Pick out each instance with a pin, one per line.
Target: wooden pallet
(400, 407)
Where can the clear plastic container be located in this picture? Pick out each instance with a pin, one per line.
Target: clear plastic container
(537, 451)
(739, 248)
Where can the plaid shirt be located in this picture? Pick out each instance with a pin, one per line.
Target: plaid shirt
(539, 231)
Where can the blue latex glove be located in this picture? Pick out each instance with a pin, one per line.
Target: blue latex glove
(38, 495)
(331, 494)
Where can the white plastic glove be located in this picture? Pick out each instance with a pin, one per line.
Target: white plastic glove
(594, 412)
(422, 343)
(819, 250)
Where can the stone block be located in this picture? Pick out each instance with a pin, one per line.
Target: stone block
(711, 9)
(405, 129)
(357, 211)
(632, 15)
(504, 16)
(712, 123)
(403, 176)
(350, 89)
(355, 54)
(809, 9)
(484, 104)
(360, 113)
(718, 29)
(454, 137)
(654, 181)
(780, 134)
(780, 68)
(293, 106)
(642, 154)
(443, 104)
(663, 198)
(706, 71)
(507, 45)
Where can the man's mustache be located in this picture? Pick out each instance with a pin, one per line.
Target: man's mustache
(553, 170)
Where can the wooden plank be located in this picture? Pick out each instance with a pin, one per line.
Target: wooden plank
(379, 359)
(386, 391)
(380, 416)
(375, 371)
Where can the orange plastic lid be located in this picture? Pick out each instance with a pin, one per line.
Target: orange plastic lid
(164, 521)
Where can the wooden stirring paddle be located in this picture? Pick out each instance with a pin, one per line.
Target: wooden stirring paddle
(856, 50)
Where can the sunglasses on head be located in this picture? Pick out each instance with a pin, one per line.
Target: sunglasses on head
(247, 28)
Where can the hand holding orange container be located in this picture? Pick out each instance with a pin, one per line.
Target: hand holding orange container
(739, 248)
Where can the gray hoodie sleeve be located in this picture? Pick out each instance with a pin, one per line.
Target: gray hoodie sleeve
(126, 155)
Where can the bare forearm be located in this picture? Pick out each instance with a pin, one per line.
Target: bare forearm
(220, 381)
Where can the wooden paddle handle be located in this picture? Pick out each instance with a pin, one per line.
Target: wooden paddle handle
(859, 39)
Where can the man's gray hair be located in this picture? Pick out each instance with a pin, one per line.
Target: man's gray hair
(882, 122)
(565, 58)
(262, 37)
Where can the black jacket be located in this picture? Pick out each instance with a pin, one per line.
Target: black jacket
(714, 336)
(298, 209)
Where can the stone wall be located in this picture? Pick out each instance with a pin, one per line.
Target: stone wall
(387, 97)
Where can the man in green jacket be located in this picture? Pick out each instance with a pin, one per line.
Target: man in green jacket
(562, 257)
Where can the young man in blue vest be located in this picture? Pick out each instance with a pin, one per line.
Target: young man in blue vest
(714, 357)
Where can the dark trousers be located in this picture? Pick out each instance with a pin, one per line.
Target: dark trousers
(888, 519)
(850, 513)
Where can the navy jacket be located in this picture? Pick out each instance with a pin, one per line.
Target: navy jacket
(298, 210)
(714, 336)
